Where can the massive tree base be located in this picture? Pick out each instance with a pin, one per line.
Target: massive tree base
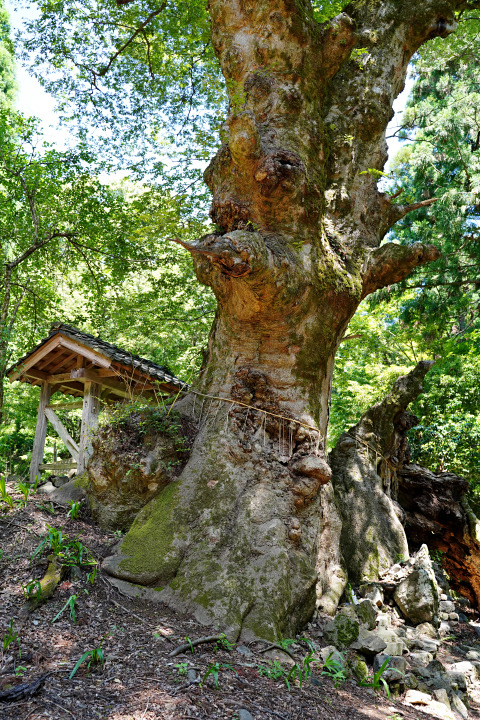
(235, 540)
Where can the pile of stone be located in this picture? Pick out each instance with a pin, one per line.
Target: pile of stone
(408, 618)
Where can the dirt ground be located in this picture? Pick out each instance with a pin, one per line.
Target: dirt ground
(139, 679)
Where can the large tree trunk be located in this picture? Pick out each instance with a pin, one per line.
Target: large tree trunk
(236, 539)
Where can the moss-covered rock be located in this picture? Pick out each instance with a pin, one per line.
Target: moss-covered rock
(134, 458)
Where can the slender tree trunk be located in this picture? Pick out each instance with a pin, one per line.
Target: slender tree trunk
(237, 539)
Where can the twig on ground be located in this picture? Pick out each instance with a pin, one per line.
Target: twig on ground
(278, 647)
(194, 643)
(49, 699)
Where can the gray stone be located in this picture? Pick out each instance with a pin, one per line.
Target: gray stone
(458, 706)
(366, 613)
(420, 658)
(369, 643)
(331, 652)
(387, 634)
(417, 595)
(192, 676)
(426, 644)
(467, 669)
(411, 681)
(455, 680)
(395, 648)
(441, 695)
(244, 714)
(427, 629)
(444, 629)
(342, 631)
(244, 650)
(384, 620)
(414, 697)
(435, 666)
(47, 488)
(472, 655)
(446, 606)
(395, 669)
(372, 592)
(453, 617)
(60, 480)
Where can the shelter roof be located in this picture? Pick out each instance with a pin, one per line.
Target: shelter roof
(69, 357)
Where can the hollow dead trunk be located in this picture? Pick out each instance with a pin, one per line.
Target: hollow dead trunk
(299, 219)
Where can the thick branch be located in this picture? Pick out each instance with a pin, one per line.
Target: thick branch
(138, 31)
(396, 211)
(391, 263)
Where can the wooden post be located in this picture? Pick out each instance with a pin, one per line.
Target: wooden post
(91, 407)
(40, 431)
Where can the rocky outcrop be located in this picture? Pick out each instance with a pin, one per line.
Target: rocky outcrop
(133, 459)
(438, 513)
(421, 670)
(417, 595)
(364, 464)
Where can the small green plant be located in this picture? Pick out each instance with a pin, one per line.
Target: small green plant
(69, 552)
(190, 643)
(10, 637)
(223, 643)
(24, 489)
(94, 657)
(32, 590)
(374, 682)
(74, 509)
(92, 575)
(70, 604)
(273, 670)
(48, 507)
(377, 174)
(20, 670)
(335, 670)
(181, 668)
(4, 494)
(437, 555)
(214, 670)
(285, 644)
(118, 533)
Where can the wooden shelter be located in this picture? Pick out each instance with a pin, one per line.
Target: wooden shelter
(75, 363)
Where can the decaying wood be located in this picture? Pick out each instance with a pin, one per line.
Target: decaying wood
(438, 514)
(91, 409)
(23, 691)
(40, 432)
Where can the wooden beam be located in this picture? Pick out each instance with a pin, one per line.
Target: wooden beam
(51, 358)
(91, 409)
(58, 466)
(66, 406)
(37, 374)
(63, 433)
(91, 376)
(62, 362)
(40, 432)
(60, 378)
(86, 352)
(34, 358)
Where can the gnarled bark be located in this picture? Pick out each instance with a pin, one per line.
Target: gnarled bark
(364, 463)
(237, 538)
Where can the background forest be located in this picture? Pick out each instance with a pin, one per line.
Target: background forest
(81, 246)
